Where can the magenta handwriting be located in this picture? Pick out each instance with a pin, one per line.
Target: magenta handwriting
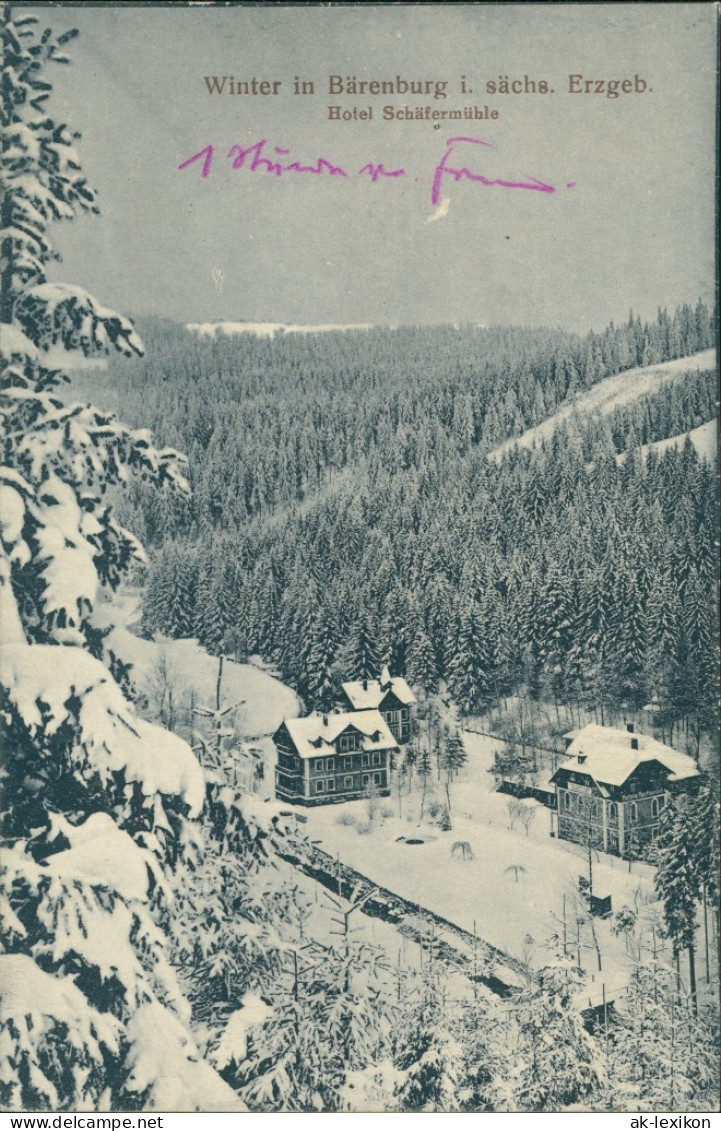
(261, 157)
(206, 154)
(258, 161)
(443, 169)
(376, 171)
(253, 158)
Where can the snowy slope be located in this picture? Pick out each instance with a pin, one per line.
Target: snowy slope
(267, 701)
(622, 388)
(704, 439)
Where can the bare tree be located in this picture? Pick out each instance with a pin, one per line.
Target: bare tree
(517, 869)
(527, 814)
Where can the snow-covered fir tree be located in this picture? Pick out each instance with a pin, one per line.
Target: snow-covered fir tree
(429, 1051)
(556, 1062)
(678, 882)
(100, 804)
(660, 1055)
(364, 660)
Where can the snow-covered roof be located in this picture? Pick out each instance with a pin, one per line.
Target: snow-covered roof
(367, 694)
(545, 784)
(313, 736)
(607, 755)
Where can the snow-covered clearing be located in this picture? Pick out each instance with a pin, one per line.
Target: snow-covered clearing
(401, 952)
(622, 388)
(189, 670)
(704, 439)
(512, 891)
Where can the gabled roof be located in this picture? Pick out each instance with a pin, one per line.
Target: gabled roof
(367, 694)
(313, 736)
(606, 755)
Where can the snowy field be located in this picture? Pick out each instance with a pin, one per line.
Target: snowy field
(704, 439)
(188, 668)
(622, 388)
(512, 891)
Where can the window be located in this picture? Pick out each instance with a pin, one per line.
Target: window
(377, 760)
(376, 779)
(633, 811)
(319, 787)
(330, 764)
(612, 811)
(331, 785)
(365, 779)
(405, 714)
(348, 783)
(318, 765)
(365, 760)
(347, 763)
(567, 801)
(655, 807)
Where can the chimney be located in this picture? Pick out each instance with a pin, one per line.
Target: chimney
(634, 744)
(325, 720)
(568, 742)
(581, 759)
(365, 684)
(629, 728)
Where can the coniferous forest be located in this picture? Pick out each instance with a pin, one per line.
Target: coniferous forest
(348, 509)
(348, 500)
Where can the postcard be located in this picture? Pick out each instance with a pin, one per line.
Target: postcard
(359, 513)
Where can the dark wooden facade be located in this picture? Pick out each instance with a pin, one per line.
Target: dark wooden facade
(620, 819)
(341, 770)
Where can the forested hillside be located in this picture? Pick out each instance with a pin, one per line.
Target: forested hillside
(165, 945)
(344, 513)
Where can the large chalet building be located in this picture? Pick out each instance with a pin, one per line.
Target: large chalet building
(334, 757)
(612, 787)
(390, 695)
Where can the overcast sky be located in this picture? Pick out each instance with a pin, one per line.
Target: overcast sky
(635, 230)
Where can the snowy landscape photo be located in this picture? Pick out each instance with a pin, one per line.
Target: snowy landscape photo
(359, 511)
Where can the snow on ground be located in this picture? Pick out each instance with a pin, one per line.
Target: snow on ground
(512, 891)
(704, 439)
(622, 388)
(323, 924)
(188, 668)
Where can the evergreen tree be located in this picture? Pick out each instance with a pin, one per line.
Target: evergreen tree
(321, 685)
(467, 680)
(660, 1056)
(704, 836)
(364, 661)
(421, 669)
(678, 882)
(557, 1062)
(101, 803)
(455, 756)
(429, 1052)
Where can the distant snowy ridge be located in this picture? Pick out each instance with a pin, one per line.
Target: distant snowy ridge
(269, 329)
(620, 389)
